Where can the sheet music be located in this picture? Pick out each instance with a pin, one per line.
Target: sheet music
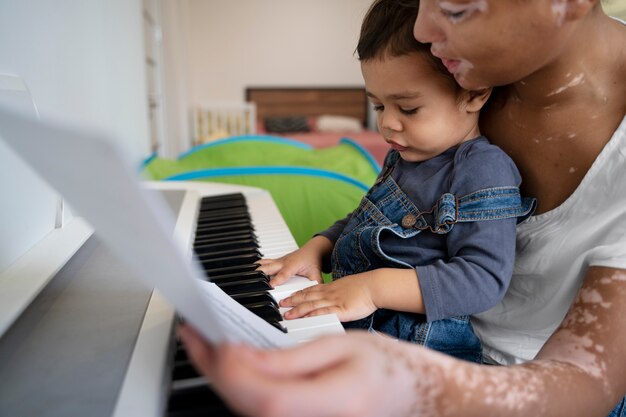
(96, 179)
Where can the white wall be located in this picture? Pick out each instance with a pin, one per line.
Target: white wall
(233, 44)
(225, 45)
(83, 62)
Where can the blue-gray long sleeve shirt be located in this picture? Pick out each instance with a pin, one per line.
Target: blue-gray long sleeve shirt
(468, 270)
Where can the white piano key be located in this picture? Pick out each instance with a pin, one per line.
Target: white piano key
(294, 284)
(308, 328)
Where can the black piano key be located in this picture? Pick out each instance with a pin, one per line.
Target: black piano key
(230, 269)
(229, 261)
(234, 244)
(214, 218)
(238, 240)
(213, 215)
(267, 312)
(184, 370)
(224, 237)
(278, 326)
(181, 354)
(239, 276)
(222, 197)
(208, 223)
(244, 287)
(244, 251)
(251, 298)
(222, 205)
(196, 401)
(206, 231)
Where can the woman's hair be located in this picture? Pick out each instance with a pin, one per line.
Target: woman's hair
(387, 31)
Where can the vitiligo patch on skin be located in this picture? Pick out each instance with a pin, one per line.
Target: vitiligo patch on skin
(592, 296)
(581, 351)
(511, 389)
(468, 9)
(425, 373)
(559, 8)
(577, 80)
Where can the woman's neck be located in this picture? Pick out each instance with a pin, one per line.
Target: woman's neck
(584, 70)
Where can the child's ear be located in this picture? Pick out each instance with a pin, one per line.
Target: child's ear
(473, 101)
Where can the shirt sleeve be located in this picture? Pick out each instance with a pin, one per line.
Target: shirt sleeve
(481, 254)
(334, 231)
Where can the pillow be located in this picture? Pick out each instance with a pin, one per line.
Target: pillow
(287, 124)
(330, 123)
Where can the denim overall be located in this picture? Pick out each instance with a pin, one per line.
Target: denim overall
(386, 208)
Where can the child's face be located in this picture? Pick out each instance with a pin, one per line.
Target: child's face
(418, 111)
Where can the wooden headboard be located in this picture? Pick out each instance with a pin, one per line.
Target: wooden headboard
(309, 101)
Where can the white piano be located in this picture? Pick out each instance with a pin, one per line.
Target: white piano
(95, 342)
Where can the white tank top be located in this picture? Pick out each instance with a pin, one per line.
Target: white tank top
(554, 250)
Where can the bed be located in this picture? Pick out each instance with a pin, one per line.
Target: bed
(318, 116)
(332, 113)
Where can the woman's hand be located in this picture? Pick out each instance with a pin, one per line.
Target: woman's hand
(357, 374)
(350, 298)
(306, 261)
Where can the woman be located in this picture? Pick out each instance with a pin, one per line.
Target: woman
(560, 331)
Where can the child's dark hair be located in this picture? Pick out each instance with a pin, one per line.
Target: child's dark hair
(387, 31)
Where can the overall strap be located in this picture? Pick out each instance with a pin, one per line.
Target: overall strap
(487, 204)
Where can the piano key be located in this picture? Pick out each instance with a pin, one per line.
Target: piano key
(239, 276)
(230, 261)
(196, 401)
(274, 240)
(230, 269)
(221, 206)
(232, 244)
(240, 213)
(184, 370)
(261, 296)
(267, 311)
(244, 286)
(225, 237)
(244, 251)
(233, 228)
(308, 328)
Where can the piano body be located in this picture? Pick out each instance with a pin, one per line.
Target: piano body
(95, 342)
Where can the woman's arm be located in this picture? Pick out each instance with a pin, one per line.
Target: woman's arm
(578, 373)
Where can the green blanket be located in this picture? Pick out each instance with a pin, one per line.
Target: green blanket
(312, 188)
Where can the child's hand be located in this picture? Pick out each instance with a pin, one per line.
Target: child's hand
(349, 298)
(294, 263)
(306, 261)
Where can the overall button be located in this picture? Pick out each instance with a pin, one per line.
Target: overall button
(409, 221)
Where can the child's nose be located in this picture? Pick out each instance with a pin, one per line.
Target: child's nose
(390, 122)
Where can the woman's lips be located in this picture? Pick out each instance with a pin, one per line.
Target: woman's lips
(451, 64)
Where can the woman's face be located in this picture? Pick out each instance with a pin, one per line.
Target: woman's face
(487, 43)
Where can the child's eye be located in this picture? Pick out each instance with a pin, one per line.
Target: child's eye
(409, 111)
(378, 107)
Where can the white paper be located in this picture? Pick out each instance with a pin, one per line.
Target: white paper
(93, 176)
